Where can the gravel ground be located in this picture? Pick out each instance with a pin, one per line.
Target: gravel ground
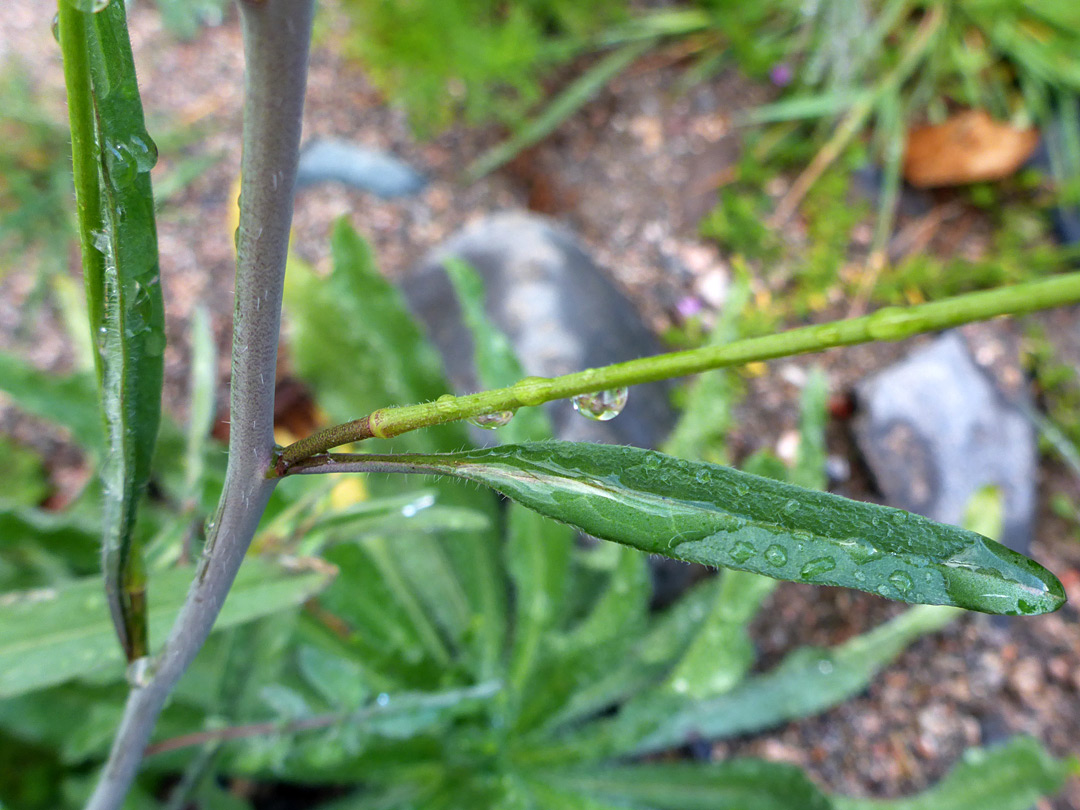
(632, 174)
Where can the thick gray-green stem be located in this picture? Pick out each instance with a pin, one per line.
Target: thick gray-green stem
(276, 38)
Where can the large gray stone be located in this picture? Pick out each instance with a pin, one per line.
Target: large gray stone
(934, 429)
(557, 308)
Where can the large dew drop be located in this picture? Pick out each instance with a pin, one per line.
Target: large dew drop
(776, 556)
(493, 420)
(139, 673)
(601, 405)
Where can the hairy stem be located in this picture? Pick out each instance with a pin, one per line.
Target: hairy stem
(276, 37)
(891, 323)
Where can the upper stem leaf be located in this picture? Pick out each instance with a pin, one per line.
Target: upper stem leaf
(113, 155)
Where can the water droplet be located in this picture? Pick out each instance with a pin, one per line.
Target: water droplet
(99, 5)
(145, 152)
(776, 556)
(383, 699)
(100, 240)
(791, 507)
(901, 581)
(703, 476)
(154, 343)
(139, 673)
(601, 405)
(56, 27)
(817, 567)
(742, 551)
(493, 420)
(680, 685)
(651, 461)
(121, 166)
(862, 551)
(825, 667)
(742, 489)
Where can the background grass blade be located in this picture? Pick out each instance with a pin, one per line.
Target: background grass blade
(565, 104)
(52, 635)
(113, 155)
(746, 784)
(1013, 776)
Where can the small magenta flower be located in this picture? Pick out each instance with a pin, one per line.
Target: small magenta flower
(688, 307)
(781, 74)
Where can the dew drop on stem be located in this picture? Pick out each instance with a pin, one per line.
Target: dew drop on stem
(601, 405)
(493, 420)
(139, 673)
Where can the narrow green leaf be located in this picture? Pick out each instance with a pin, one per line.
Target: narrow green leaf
(545, 795)
(722, 652)
(740, 784)
(809, 469)
(565, 104)
(702, 431)
(538, 551)
(51, 635)
(824, 105)
(806, 682)
(114, 155)
(337, 679)
(715, 515)
(648, 660)
(46, 546)
(578, 660)
(25, 481)
(1013, 776)
(67, 401)
(353, 340)
(538, 562)
(497, 365)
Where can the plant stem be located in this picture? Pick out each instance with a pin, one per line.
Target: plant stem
(891, 323)
(418, 702)
(276, 38)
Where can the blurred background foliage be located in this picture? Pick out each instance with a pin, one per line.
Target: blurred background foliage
(418, 644)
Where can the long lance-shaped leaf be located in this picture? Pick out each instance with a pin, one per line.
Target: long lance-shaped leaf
(1013, 776)
(113, 155)
(715, 515)
(52, 635)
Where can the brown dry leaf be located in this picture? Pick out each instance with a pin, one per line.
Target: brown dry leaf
(970, 147)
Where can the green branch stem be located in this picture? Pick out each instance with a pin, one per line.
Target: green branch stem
(889, 324)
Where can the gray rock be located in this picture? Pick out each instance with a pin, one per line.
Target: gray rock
(557, 308)
(328, 161)
(934, 430)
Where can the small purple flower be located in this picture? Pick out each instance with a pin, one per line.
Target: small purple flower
(781, 74)
(688, 307)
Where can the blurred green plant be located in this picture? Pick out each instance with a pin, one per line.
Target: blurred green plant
(452, 651)
(36, 222)
(468, 652)
(479, 61)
